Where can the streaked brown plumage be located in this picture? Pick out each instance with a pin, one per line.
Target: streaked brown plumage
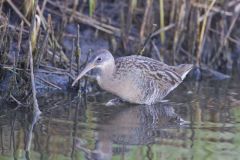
(135, 79)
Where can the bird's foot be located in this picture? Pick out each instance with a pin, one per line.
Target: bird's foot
(164, 100)
(114, 102)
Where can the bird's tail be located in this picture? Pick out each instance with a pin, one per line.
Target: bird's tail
(183, 70)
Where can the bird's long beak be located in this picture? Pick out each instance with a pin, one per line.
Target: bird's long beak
(85, 70)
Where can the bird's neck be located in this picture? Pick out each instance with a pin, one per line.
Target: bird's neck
(107, 72)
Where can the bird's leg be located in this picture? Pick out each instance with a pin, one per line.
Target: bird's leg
(154, 114)
(114, 102)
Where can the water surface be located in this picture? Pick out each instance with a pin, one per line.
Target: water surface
(199, 121)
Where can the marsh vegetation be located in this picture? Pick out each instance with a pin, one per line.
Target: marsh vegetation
(45, 43)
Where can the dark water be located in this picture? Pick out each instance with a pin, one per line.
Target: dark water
(200, 121)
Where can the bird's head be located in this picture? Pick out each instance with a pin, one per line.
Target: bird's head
(101, 59)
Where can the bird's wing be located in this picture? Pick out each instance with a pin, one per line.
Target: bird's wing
(161, 76)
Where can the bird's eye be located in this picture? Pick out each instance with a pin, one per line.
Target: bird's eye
(99, 59)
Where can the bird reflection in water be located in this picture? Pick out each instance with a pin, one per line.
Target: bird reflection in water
(136, 125)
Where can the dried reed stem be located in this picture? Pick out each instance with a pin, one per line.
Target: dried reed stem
(201, 39)
(18, 12)
(226, 37)
(74, 8)
(19, 42)
(78, 50)
(145, 17)
(161, 12)
(18, 49)
(35, 102)
(71, 60)
(43, 48)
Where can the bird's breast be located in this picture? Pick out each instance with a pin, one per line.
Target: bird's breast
(125, 89)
